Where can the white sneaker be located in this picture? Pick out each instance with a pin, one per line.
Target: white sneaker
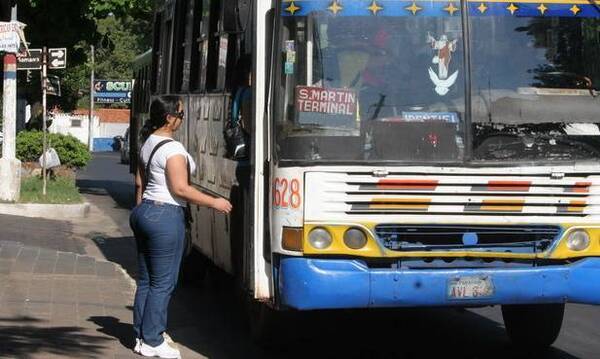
(161, 351)
(138, 345)
(168, 338)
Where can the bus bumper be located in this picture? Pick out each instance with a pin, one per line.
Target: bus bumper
(307, 284)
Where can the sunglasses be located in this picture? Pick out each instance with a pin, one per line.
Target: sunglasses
(179, 114)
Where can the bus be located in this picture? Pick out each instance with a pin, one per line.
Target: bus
(400, 153)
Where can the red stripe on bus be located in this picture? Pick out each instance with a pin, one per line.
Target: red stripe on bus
(522, 186)
(408, 184)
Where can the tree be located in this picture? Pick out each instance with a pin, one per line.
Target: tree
(125, 25)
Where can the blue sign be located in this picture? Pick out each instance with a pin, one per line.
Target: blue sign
(112, 91)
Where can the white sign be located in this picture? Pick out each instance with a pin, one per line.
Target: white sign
(11, 34)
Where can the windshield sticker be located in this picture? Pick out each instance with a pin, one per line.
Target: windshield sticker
(450, 117)
(289, 68)
(326, 100)
(443, 55)
(557, 8)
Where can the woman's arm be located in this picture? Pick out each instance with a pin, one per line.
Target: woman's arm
(177, 180)
(138, 187)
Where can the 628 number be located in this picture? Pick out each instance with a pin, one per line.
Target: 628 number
(286, 193)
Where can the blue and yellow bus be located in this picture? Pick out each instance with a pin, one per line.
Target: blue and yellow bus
(400, 153)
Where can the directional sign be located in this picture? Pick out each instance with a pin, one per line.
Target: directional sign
(57, 58)
(53, 85)
(109, 91)
(33, 61)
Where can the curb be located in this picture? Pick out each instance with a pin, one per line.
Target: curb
(47, 211)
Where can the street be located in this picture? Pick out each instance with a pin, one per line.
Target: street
(66, 291)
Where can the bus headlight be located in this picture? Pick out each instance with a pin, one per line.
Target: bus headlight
(354, 238)
(578, 240)
(319, 238)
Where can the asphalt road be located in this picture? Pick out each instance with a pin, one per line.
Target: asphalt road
(208, 320)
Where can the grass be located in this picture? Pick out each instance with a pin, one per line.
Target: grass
(61, 190)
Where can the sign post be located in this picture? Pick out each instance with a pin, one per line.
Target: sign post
(32, 61)
(11, 36)
(45, 139)
(91, 117)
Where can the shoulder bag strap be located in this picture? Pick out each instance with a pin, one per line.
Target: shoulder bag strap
(147, 171)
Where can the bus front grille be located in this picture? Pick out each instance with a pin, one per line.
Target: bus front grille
(510, 239)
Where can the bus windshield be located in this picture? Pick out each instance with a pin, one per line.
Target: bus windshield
(534, 85)
(387, 82)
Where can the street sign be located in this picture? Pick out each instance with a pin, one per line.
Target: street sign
(33, 61)
(53, 86)
(11, 34)
(109, 91)
(57, 58)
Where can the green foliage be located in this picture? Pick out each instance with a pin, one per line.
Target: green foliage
(60, 190)
(119, 29)
(70, 150)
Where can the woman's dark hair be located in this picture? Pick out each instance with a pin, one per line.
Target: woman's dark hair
(159, 109)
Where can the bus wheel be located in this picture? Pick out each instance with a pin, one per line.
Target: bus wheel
(533, 327)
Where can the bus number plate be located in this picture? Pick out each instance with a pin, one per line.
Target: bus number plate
(470, 287)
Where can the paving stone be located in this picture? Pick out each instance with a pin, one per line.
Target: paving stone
(10, 250)
(65, 263)
(106, 269)
(85, 265)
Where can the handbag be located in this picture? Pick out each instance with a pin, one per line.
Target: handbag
(236, 139)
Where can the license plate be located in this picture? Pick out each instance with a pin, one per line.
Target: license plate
(470, 287)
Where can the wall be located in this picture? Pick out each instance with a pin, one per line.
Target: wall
(103, 132)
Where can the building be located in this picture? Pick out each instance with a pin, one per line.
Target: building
(107, 124)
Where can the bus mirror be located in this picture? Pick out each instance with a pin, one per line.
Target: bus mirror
(236, 15)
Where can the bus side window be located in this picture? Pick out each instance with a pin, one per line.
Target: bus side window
(197, 47)
(179, 45)
(214, 41)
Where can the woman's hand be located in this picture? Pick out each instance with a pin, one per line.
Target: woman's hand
(222, 205)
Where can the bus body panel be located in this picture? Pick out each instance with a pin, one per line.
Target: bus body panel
(306, 284)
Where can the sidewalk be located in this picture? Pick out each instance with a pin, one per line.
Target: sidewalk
(56, 304)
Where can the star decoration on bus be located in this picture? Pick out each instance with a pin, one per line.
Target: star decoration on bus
(575, 9)
(512, 8)
(414, 8)
(335, 7)
(292, 9)
(375, 8)
(451, 9)
(542, 8)
(482, 8)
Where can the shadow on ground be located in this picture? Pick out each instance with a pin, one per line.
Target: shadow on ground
(208, 319)
(121, 192)
(22, 337)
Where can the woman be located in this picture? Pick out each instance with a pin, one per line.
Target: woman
(158, 222)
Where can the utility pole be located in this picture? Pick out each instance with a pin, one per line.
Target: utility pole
(10, 166)
(91, 117)
(44, 126)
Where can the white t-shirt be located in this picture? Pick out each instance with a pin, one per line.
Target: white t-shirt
(157, 189)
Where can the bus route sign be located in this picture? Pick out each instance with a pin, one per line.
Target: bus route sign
(112, 91)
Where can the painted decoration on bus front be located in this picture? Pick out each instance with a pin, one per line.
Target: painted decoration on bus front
(527, 8)
(443, 48)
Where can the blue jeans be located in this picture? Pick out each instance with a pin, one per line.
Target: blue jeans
(159, 230)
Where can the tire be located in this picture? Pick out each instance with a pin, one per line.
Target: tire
(533, 328)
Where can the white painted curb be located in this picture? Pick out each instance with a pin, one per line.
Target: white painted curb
(48, 211)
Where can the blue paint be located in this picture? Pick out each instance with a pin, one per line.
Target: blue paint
(397, 8)
(308, 284)
(10, 75)
(105, 144)
(470, 239)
